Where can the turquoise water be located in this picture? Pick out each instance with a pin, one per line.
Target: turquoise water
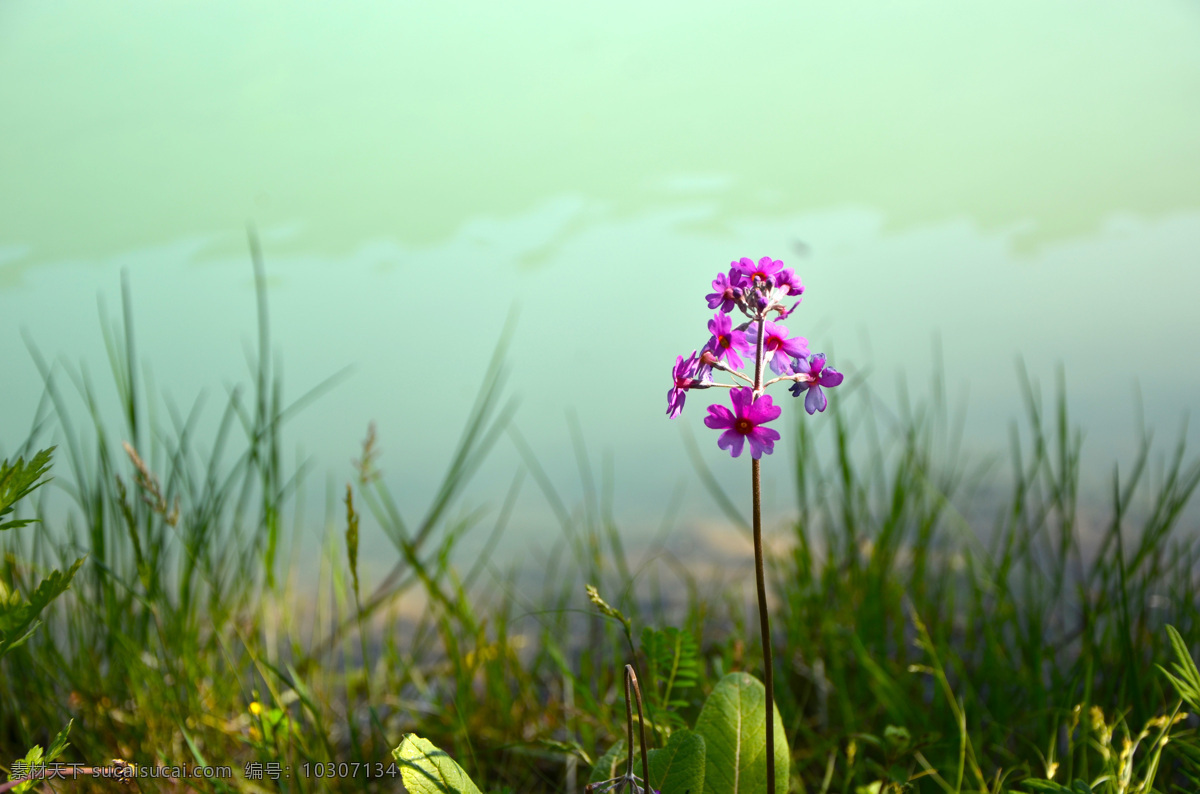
(1018, 181)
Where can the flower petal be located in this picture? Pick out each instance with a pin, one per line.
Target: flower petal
(742, 398)
(831, 377)
(815, 401)
(719, 417)
(763, 410)
(762, 441)
(770, 266)
(732, 441)
(796, 347)
(675, 398)
(720, 324)
(780, 364)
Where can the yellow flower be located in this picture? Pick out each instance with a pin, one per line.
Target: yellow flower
(256, 708)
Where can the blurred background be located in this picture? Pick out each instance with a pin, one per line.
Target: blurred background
(1003, 183)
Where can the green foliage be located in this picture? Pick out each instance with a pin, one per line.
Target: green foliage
(19, 618)
(1185, 678)
(676, 768)
(37, 758)
(725, 752)
(427, 770)
(679, 767)
(1049, 787)
(673, 666)
(18, 480)
(733, 727)
(608, 766)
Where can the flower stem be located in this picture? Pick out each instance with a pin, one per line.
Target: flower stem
(764, 619)
(631, 680)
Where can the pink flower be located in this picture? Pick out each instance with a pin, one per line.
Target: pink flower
(764, 269)
(728, 291)
(787, 279)
(814, 375)
(778, 347)
(687, 374)
(744, 423)
(725, 341)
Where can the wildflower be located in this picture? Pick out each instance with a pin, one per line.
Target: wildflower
(744, 423)
(787, 279)
(812, 374)
(728, 291)
(725, 341)
(688, 374)
(766, 268)
(778, 347)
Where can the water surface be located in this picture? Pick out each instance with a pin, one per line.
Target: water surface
(1018, 182)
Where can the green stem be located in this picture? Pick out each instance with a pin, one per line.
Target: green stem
(631, 679)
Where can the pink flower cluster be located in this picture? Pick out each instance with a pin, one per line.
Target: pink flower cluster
(756, 289)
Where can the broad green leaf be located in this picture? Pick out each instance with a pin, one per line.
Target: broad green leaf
(678, 768)
(734, 730)
(609, 765)
(427, 770)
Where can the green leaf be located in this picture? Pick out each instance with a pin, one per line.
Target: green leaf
(352, 537)
(734, 730)
(18, 620)
(24, 767)
(672, 662)
(1186, 679)
(60, 742)
(1047, 787)
(678, 768)
(607, 765)
(427, 770)
(18, 480)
